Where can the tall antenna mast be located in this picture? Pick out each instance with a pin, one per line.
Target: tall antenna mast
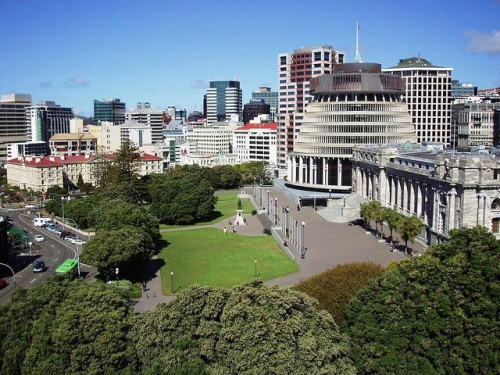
(357, 58)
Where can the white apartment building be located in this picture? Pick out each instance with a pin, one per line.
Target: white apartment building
(256, 142)
(213, 139)
(139, 134)
(12, 120)
(295, 71)
(428, 96)
(148, 116)
(108, 136)
(73, 144)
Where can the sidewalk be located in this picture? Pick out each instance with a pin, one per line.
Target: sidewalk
(328, 245)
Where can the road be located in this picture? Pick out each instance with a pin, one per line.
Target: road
(53, 251)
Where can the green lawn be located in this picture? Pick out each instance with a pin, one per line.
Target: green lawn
(206, 256)
(225, 208)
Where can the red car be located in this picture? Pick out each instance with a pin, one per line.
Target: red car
(3, 283)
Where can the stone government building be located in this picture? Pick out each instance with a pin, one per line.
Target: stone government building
(446, 189)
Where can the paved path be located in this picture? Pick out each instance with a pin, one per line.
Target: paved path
(328, 245)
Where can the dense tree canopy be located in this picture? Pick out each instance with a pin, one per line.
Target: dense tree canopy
(182, 196)
(434, 314)
(334, 288)
(127, 249)
(249, 329)
(66, 327)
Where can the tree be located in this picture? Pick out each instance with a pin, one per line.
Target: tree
(334, 288)
(67, 327)
(434, 314)
(182, 196)
(126, 249)
(409, 229)
(249, 329)
(80, 182)
(393, 219)
(379, 215)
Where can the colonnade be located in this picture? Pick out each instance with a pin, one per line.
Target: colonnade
(320, 172)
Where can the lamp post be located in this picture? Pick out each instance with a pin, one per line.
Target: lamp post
(172, 281)
(255, 268)
(117, 270)
(254, 188)
(275, 211)
(62, 204)
(260, 194)
(11, 270)
(268, 203)
(329, 193)
(94, 210)
(30, 244)
(302, 248)
(77, 254)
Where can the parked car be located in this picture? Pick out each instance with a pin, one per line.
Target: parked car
(357, 222)
(39, 238)
(79, 241)
(38, 266)
(66, 233)
(3, 283)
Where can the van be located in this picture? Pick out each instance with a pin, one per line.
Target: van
(39, 221)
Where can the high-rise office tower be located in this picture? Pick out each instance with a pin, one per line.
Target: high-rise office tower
(223, 101)
(46, 119)
(269, 97)
(111, 110)
(12, 120)
(429, 99)
(295, 70)
(356, 104)
(148, 116)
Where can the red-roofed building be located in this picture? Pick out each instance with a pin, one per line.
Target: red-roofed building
(40, 173)
(256, 142)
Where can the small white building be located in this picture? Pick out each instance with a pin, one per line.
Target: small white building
(256, 142)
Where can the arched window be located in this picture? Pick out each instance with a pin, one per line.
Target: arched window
(495, 205)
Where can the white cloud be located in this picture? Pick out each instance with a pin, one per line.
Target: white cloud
(484, 43)
(198, 84)
(77, 82)
(45, 85)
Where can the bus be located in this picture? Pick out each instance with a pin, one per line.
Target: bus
(68, 267)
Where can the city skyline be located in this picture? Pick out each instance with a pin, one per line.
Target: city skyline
(166, 54)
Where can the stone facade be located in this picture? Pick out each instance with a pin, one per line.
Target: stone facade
(446, 189)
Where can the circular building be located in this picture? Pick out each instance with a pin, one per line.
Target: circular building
(355, 105)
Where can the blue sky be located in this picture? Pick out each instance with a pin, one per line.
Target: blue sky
(165, 52)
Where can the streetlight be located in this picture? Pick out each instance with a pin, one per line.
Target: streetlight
(77, 254)
(172, 281)
(268, 203)
(260, 194)
(62, 204)
(30, 244)
(94, 211)
(116, 272)
(11, 270)
(255, 268)
(329, 193)
(302, 248)
(254, 188)
(275, 211)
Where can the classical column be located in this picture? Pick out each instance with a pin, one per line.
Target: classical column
(413, 192)
(453, 210)
(311, 170)
(419, 199)
(301, 169)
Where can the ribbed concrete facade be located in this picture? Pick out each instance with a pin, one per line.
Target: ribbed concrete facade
(356, 105)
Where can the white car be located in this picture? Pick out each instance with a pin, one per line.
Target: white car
(39, 238)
